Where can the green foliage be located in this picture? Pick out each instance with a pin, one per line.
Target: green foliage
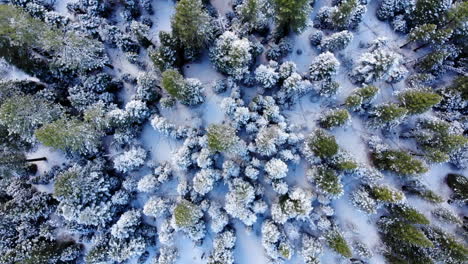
(408, 214)
(460, 85)
(173, 83)
(435, 138)
(367, 92)
(328, 181)
(18, 30)
(335, 118)
(185, 214)
(399, 162)
(407, 233)
(221, 137)
(451, 250)
(337, 242)
(322, 144)
(389, 112)
(418, 102)
(430, 11)
(70, 134)
(167, 54)
(291, 14)
(342, 16)
(386, 194)
(459, 185)
(346, 165)
(353, 101)
(22, 114)
(190, 24)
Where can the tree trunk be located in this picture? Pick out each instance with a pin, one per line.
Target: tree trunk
(406, 44)
(36, 159)
(420, 47)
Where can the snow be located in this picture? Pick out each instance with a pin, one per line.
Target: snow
(163, 11)
(304, 114)
(248, 247)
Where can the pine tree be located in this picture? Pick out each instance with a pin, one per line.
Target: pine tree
(336, 241)
(418, 102)
(322, 144)
(23, 114)
(291, 14)
(221, 137)
(399, 162)
(232, 55)
(71, 134)
(388, 114)
(327, 181)
(335, 118)
(191, 24)
(336, 41)
(323, 67)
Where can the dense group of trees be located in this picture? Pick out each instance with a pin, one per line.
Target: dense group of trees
(98, 77)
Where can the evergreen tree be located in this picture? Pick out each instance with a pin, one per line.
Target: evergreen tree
(221, 137)
(23, 114)
(336, 41)
(323, 67)
(191, 25)
(398, 162)
(335, 118)
(71, 134)
(291, 14)
(322, 144)
(336, 241)
(418, 102)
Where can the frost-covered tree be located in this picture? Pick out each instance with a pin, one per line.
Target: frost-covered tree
(336, 41)
(346, 15)
(223, 248)
(295, 204)
(84, 194)
(167, 255)
(130, 159)
(187, 217)
(166, 55)
(323, 67)
(254, 14)
(388, 115)
(23, 114)
(276, 169)
(291, 15)
(232, 55)
(327, 181)
(267, 75)
(239, 201)
(156, 207)
(335, 118)
(378, 64)
(430, 11)
(363, 201)
(361, 97)
(438, 139)
(311, 249)
(219, 217)
(191, 25)
(274, 242)
(188, 91)
(204, 180)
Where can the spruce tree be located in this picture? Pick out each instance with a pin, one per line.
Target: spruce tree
(190, 24)
(291, 14)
